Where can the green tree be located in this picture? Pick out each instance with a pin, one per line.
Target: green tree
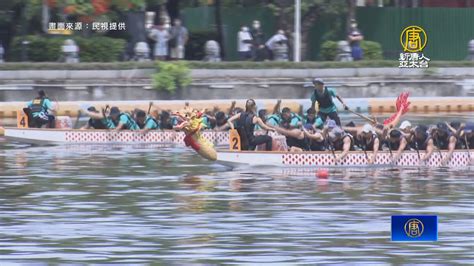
(311, 11)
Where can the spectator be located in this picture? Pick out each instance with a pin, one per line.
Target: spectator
(278, 46)
(259, 50)
(161, 36)
(244, 44)
(179, 38)
(354, 37)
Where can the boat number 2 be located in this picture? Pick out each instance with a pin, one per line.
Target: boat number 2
(235, 143)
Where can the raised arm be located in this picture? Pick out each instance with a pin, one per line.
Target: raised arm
(231, 120)
(93, 115)
(403, 144)
(318, 136)
(429, 150)
(258, 120)
(375, 151)
(232, 107)
(276, 109)
(451, 147)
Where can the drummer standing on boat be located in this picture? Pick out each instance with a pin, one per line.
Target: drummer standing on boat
(246, 122)
(324, 96)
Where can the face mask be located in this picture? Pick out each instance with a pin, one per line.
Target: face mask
(256, 25)
(354, 25)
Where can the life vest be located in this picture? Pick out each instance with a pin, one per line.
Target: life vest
(273, 120)
(396, 145)
(130, 124)
(420, 144)
(368, 146)
(317, 145)
(245, 127)
(339, 144)
(300, 143)
(148, 119)
(37, 105)
(325, 100)
(97, 123)
(442, 142)
(286, 123)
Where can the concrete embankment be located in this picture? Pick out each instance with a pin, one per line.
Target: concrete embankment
(371, 105)
(135, 84)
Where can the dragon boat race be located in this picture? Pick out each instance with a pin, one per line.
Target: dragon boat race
(302, 132)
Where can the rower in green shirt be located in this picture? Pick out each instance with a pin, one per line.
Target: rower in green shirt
(146, 122)
(323, 95)
(122, 120)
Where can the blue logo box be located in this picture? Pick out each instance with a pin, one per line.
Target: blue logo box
(409, 228)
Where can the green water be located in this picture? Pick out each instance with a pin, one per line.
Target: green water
(141, 205)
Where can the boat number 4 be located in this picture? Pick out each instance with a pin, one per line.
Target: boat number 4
(21, 119)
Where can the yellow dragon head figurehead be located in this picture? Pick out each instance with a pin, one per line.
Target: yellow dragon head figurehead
(192, 116)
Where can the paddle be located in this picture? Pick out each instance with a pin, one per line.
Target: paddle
(371, 120)
(390, 150)
(331, 148)
(417, 150)
(149, 108)
(104, 111)
(439, 147)
(467, 145)
(365, 150)
(79, 114)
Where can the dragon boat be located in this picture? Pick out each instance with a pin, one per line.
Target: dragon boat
(460, 158)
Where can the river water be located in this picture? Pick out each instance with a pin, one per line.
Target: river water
(138, 205)
(145, 204)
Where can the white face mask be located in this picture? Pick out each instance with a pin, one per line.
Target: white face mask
(256, 25)
(354, 25)
(245, 29)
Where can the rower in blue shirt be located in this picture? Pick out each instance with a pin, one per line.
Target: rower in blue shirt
(40, 109)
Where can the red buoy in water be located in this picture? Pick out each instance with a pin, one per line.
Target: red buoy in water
(322, 173)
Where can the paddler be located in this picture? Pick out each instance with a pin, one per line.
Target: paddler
(146, 122)
(323, 95)
(338, 139)
(312, 120)
(274, 118)
(444, 140)
(367, 139)
(221, 122)
(465, 133)
(41, 109)
(315, 138)
(97, 120)
(397, 141)
(290, 125)
(122, 120)
(421, 140)
(406, 127)
(246, 122)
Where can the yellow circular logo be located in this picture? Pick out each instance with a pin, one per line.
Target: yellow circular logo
(414, 228)
(413, 39)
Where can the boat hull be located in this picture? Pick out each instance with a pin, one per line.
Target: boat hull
(460, 158)
(74, 136)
